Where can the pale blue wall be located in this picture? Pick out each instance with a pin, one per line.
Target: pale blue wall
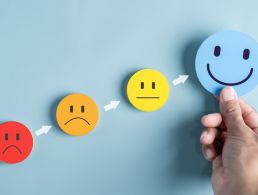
(52, 48)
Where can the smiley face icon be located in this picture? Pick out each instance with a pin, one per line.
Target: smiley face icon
(77, 114)
(16, 142)
(228, 58)
(148, 90)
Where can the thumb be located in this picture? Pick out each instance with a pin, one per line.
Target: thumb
(230, 110)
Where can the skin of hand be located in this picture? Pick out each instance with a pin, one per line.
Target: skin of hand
(230, 141)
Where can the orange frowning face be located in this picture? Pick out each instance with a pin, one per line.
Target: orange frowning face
(77, 114)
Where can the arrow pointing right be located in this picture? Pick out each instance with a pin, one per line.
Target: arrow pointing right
(181, 79)
(112, 105)
(43, 130)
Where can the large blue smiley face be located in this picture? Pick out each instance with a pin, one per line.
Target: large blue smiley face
(228, 58)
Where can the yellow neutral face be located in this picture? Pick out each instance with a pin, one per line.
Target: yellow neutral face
(148, 90)
(77, 114)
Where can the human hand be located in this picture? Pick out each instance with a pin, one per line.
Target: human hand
(230, 141)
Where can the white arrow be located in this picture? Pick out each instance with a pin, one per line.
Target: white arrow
(112, 105)
(180, 79)
(43, 130)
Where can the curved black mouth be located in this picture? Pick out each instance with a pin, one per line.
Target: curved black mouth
(229, 84)
(80, 118)
(12, 146)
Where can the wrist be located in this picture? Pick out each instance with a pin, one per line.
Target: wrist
(242, 188)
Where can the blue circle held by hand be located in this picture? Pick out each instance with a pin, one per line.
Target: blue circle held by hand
(228, 58)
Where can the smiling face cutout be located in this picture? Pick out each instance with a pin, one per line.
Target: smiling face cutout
(77, 114)
(148, 90)
(16, 142)
(228, 58)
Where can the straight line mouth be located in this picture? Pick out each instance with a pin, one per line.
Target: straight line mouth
(147, 97)
(229, 84)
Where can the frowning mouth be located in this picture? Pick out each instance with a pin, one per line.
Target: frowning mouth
(77, 118)
(229, 84)
(12, 146)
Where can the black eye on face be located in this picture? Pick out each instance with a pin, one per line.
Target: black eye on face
(217, 50)
(153, 85)
(6, 136)
(82, 109)
(71, 109)
(246, 54)
(142, 85)
(17, 136)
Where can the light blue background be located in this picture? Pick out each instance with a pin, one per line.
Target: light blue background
(52, 48)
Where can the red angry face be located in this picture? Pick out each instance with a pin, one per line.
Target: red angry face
(16, 142)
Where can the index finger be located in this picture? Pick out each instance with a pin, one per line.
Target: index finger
(211, 120)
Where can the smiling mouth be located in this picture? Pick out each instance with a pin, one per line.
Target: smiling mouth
(147, 97)
(229, 84)
(77, 118)
(12, 146)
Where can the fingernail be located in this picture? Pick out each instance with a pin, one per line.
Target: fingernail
(203, 135)
(228, 94)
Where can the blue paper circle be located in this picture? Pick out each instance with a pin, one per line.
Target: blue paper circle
(228, 58)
